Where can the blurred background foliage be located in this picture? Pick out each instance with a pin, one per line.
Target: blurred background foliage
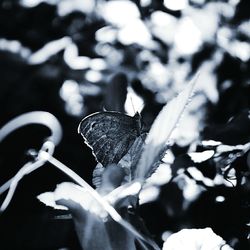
(73, 57)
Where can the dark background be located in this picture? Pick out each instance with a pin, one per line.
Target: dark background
(30, 86)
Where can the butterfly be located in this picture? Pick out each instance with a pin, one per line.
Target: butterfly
(110, 134)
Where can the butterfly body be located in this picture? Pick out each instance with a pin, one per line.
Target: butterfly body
(110, 134)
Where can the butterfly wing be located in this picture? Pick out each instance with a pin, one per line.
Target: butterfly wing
(109, 134)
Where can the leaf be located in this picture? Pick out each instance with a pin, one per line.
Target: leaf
(130, 160)
(88, 217)
(162, 128)
(69, 191)
(116, 93)
(195, 239)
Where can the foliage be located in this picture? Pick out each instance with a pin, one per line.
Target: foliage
(73, 61)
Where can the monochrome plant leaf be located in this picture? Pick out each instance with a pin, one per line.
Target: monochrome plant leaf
(162, 128)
